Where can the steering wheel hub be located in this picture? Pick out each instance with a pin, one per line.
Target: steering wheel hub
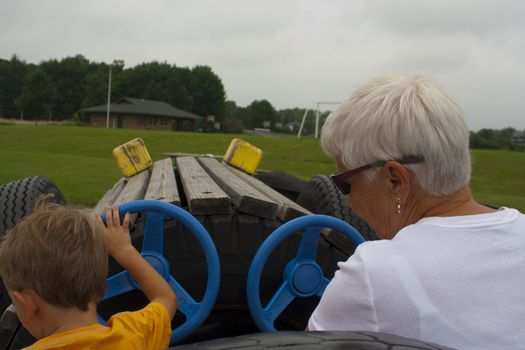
(158, 262)
(307, 278)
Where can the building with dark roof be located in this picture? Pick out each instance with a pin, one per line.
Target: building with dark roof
(133, 113)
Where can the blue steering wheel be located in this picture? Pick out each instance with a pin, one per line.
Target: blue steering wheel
(303, 277)
(153, 251)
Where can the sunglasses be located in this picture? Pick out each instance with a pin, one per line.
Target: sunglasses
(340, 179)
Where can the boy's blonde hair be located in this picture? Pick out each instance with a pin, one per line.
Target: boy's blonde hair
(60, 253)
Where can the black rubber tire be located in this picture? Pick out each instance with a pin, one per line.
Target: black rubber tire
(17, 199)
(322, 197)
(314, 340)
(288, 340)
(288, 185)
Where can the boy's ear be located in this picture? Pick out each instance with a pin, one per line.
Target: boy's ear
(28, 300)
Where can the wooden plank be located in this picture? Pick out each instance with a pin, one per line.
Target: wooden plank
(246, 198)
(135, 188)
(162, 184)
(203, 194)
(182, 154)
(287, 209)
(111, 195)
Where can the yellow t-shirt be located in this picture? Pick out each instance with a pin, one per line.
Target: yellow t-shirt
(148, 328)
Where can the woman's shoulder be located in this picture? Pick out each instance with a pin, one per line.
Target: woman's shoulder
(371, 253)
(432, 232)
(502, 216)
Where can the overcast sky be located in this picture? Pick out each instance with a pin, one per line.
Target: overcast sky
(295, 53)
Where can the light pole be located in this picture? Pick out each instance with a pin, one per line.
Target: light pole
(109, 97)
(1, 96)
(317, 115)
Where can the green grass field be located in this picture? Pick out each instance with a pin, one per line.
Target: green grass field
(79, 161)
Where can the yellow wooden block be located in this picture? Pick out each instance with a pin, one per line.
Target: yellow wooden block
(132, 157)
(243, 155)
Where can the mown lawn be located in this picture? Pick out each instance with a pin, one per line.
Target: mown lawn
(79, 160)
(498, 177)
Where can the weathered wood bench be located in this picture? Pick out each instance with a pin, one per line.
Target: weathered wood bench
(239, 212)
(209, 188)
(203, 186)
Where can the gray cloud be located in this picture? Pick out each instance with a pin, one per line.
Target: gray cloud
(416, 17)
(294, 53)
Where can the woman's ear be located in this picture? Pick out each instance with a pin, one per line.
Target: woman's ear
(399, 179)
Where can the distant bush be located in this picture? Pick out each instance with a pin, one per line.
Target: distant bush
(493, 139)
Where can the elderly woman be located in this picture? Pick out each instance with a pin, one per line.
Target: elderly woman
(448, 269)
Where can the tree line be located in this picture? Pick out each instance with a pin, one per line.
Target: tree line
(494, 139)
(59, 89)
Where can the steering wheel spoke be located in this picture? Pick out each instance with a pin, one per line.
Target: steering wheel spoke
(280, 300)
(118, 284)
(308, 246)
(185, 303)
(154, 233)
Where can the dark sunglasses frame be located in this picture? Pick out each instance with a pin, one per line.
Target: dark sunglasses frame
(340, 179)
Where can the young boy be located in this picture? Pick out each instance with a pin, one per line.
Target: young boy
(54, 265)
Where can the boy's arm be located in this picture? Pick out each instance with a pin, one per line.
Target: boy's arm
(118, 242)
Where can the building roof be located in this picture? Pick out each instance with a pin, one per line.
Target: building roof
(136, 106)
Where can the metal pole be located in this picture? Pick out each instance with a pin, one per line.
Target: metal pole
(109, 98)
(317, 121)
(302, 124)
(2, 97)
(318, 115)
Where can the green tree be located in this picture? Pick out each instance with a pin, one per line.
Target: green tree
(232, 125)
(260, 111)
(96, 85)
(493, 139)
(37, 95)
(154, 81)
(68, 78)
(12, 73)
(231, 110)
(207, 92)
(504, 138)
(294, 116)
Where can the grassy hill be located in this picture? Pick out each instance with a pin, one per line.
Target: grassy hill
(79, 161)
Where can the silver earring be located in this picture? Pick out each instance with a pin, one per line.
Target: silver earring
(398, 205)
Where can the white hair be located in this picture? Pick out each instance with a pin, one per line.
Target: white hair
(391, 117)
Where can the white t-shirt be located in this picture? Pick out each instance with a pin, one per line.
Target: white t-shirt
(455, 281)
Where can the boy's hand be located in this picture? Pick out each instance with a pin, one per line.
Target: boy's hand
(118, 239)
(118, 242)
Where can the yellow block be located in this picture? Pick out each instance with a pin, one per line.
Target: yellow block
(132, 157)
(243, 155)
